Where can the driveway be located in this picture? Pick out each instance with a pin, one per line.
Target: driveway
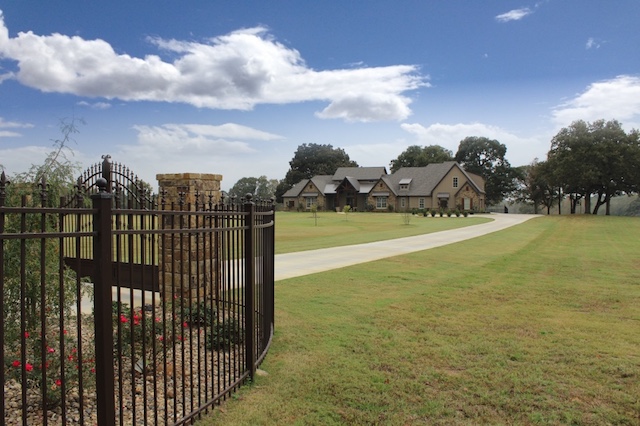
(292, 265)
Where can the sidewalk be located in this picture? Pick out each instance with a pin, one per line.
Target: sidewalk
(297, 264)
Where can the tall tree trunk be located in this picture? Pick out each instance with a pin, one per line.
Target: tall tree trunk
(587, 204)
(559, 200)
(600, 201)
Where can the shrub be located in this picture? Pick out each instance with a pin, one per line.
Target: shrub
(63, 370)
(433, 212)
(224, 335)
(457, 213)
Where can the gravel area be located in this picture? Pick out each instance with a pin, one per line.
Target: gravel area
(179, 380)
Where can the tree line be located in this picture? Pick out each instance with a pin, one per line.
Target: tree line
(585, 159)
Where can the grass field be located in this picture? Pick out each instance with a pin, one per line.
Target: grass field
(538, 324)
(300, 231)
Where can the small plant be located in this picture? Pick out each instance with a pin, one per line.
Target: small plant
(224, 335)
(449, 213)
(346, 211)
(441, 212)
(457, 213)
(433, 212)
(62, 370)
(390, 208)
(134, 331)
(465, 214)
(406, 216)
(199, 313)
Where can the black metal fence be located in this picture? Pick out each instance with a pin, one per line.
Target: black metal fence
(124, 308)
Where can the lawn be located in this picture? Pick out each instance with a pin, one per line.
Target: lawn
(537, 324)
(301, 231)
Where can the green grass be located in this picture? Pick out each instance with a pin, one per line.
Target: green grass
(537, 324)
(299, 232)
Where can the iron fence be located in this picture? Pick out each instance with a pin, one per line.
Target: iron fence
(129, 309)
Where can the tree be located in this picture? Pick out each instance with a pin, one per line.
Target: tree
(310, 160)
(536, 188)
(486, 157)
(261, 187)
(595, 158)
(417, 156)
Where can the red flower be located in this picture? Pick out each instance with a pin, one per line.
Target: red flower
(58, 382)
(28, 367)
(16, 363)
(26, 334)
(123, 319)
(93, 370)
(185, 324)
(50, 350)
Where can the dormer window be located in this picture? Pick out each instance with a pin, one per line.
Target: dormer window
(404, 183)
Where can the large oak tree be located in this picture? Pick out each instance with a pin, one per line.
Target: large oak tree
(310, 160)
(486, 157)
(418, 156)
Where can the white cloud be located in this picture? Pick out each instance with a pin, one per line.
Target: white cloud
(12, 125)
(95, 105)
(593, 43)
(514, 15)
(235, 71)
(618, 98)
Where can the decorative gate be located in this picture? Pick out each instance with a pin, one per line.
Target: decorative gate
(182, 310)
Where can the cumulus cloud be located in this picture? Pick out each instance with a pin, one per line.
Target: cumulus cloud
(514, 15)
(238, 70)
(618, 98)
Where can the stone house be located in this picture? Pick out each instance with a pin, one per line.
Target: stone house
(436, 186)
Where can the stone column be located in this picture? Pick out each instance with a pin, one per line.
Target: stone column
(187, 262)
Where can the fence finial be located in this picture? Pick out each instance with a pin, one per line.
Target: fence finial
(102, 184)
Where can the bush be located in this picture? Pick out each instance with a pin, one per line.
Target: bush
(457, 213)
(433, 213)
(224, 335)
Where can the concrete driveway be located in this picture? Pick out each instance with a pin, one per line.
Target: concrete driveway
(292, 265)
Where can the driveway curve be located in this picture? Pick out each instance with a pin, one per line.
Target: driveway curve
(291, 265)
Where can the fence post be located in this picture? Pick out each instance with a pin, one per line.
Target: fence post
(249, 286)
(102, 257)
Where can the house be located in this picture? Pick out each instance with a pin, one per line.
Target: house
(347, 186)
(436, 186)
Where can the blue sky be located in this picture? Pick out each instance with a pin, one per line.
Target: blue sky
(235, 87)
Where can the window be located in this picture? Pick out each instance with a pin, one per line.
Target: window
(404, 186)
(402, 203)
(455, 182)
(421, 203)
(381, 202)
(310, 201)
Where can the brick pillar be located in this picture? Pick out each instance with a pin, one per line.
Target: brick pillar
(187, 263)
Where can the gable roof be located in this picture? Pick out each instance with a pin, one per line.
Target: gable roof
(423, 180)
(359, 173)
(296, 189)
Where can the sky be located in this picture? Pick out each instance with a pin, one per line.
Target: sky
(234, 87)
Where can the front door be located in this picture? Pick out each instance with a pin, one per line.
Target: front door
(467, 203)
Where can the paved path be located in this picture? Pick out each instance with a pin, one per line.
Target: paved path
(292, 265)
